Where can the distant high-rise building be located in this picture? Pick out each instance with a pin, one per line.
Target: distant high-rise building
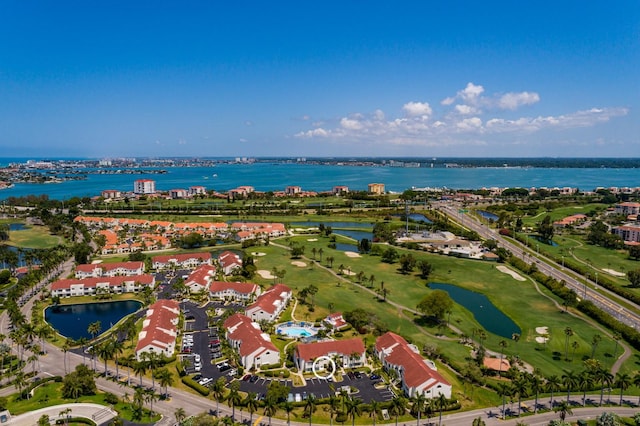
(376, 188)
(144, 186)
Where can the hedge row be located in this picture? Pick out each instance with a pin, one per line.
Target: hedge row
(202, 390)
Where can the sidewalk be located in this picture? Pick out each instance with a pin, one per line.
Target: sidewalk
(98, 413)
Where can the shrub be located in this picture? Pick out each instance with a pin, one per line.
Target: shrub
(204, 391)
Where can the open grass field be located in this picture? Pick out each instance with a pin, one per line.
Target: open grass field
(50, 394)
(36, 237)
(517, 299)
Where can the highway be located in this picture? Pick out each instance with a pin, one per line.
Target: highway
(601, 297)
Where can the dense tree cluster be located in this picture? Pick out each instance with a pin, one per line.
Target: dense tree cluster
(78, 383)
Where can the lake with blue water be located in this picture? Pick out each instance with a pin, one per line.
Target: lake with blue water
(488, 316)
(73, 320)
(267, 176)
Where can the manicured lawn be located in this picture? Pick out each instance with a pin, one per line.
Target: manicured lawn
(36, 237)
(518, 300)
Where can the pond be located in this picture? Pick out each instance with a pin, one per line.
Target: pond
(73, 320)
(356, 235)
(346, 247)
(17, 226)
(488, 215)
(539, 238)
(490, 318)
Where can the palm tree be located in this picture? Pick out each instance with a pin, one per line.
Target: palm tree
(353, 409)
(65, 348)
(165, 379)
(217, 389)
(334, 404)
(417, 408)
(585, 382)
(605, 378)
(288, 407)
(310, 406)
(442, 404)
(521, 387)
(20, 382)
(105, 351)
(535, 383)
(569, 381)
(94, 329)
(251, 402)
(117, 347)
(636, 383)
(270, 408)
(623, 381)
(504, 390)
(398, 406)
(180, 415)
(374, 410)
(552, 385)
(574, 345)
(234, 398)
(150, 396)
(139, 369)
(503, 344)
(563, 408)
(568, 332)
(32, 359)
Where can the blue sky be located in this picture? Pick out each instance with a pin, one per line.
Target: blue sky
(330, 78)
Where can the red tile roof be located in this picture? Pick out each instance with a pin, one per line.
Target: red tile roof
(247, 332)
(268, 301)
(416, 372)
(311, 351)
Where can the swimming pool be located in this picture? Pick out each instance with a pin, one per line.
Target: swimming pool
(295, 330)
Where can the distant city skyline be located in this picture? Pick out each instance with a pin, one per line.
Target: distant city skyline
(343, 79)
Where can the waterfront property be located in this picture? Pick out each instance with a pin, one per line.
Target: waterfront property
(417, 375)
(70, 287)
(270, 304)
(349, 353)
(159, 330)
(72, 321)
(253, 346)
(109, 269)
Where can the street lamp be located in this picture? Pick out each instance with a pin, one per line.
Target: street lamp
(562, 262)
(584, 293)
(596, 280)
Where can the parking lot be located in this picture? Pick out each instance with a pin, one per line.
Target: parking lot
(202, 344)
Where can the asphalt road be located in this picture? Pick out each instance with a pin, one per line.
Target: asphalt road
(601, 297)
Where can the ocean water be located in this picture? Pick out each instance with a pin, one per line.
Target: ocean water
(277, 176)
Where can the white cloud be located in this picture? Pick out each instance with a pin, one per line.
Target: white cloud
(243, 140)
(514, 100)
(415, 109)
(465, 122)
(466, 109)
(471, 93)
(447, 101)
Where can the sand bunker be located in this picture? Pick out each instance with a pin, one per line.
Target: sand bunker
(352, 254)
(265, 274)
(349, 273)
(513, 274)
(312, 239)
(258, 253)
(298, 264)
(542, 340)
(614, 273)
(542, 330)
